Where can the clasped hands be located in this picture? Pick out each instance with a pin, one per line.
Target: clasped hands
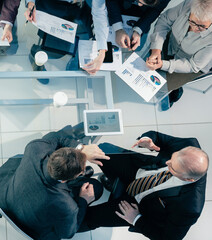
(154, 60)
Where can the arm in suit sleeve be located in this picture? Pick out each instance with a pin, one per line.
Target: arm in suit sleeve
(9, 10)
(169, 144)
(150, 15)
(164, 25)
(62, 138)
(114, 11)
(67, 217)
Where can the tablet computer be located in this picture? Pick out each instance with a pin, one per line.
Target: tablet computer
(103, 122)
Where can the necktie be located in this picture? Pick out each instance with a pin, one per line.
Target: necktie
(142, 184)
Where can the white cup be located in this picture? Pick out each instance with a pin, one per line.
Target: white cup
(60, 99)
(41, 58)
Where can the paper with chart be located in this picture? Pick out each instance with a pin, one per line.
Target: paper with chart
(55, 26)
(140, 78)
(5, 42)
(88, 52)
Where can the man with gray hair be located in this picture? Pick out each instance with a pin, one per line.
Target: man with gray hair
(182, 41)
(162, 195)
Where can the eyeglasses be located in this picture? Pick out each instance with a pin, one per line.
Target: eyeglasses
(199, 26)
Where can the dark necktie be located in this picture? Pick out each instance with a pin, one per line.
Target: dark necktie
(142, 184)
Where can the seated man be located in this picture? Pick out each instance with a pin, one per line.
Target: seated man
(43, 193)
(164, 194)
(146, 10)
(79, 10)
(189, 50)
(8, 13)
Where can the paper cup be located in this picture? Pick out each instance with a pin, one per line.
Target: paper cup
(60, 99)
(41, 58)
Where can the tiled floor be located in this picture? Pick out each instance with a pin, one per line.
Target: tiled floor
(191, 116)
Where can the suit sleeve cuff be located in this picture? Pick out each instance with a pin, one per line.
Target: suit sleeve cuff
(166, 65)
(138, 30)
(6, 22)
(117, 26)
(136, 219)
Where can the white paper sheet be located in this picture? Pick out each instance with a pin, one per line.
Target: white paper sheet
(88, 52)
(55, 26)
(142, 80)
(5, 42)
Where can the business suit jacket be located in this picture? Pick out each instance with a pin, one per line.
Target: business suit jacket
(42, 206)
(182, 204)
(147, 15)
(9, 10)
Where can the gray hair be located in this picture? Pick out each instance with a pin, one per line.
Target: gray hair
(194, 161)
(202, 9)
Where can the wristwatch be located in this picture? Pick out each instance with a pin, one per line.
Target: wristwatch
(79, 147)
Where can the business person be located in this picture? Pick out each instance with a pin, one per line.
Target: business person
(181, 41)
(79, 10)
(146, 10)
(164, 194)
(8, 13)
(43, 193)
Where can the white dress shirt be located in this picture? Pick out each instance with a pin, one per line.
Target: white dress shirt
(100, 20)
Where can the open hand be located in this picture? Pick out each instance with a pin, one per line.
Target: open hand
(130, 211)
(93, 152)
(146, 142)
(95, 65)
(7, 33)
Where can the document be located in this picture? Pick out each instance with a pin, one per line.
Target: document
(55, 26)
(140, 78)
(88, 52)
(5, 42)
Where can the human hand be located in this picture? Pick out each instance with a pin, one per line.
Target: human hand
(7, 33)
(130, 211)
(95, 65)
(27, 13)
(87, 192)
(93, 152)
(135, 41)
(146, 142)
(154, 61)
(122, 39)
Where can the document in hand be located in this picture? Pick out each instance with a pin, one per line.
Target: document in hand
(55, 26)
(5, 42)
(140, 78)
(88, 52)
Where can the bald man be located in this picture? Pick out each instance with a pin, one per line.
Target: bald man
(163, 195)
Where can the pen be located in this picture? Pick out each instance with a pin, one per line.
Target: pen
(30, 14)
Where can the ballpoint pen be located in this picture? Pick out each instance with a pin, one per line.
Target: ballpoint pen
(30, 14)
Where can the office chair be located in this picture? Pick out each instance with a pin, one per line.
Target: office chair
(14, 226)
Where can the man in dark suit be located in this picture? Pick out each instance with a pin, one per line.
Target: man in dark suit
(43, 193)
(146, 10)
(163, 210)
(8, 13)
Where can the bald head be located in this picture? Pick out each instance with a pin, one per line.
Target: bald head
(194, 161)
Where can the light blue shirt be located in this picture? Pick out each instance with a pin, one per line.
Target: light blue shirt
(100, 20)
